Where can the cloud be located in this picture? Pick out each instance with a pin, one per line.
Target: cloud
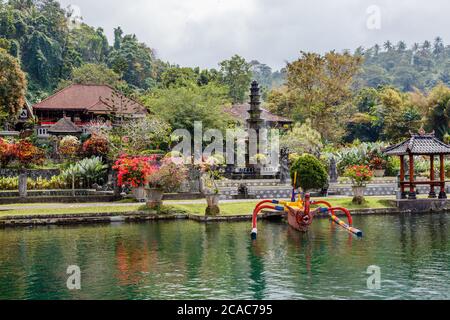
(204, 32)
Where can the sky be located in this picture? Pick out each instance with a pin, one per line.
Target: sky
(204, 32)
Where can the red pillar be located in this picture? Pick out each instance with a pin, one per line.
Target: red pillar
(432, 194)
(442, 194)
(402, 176)
(412, 192)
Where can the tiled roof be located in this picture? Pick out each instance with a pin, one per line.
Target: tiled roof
(240, 111)
(64, 125)
(418, 144)
(88, 98)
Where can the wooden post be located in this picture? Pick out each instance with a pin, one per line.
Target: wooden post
(442, 194)
(412, 192)
(432, 194)
(402, 176)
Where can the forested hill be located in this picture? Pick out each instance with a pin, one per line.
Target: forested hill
(53, 52)
(51, 47)
(419, 65)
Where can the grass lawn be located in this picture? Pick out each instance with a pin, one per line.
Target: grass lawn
(229, 208)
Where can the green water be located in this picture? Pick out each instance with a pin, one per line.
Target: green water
(189, 260)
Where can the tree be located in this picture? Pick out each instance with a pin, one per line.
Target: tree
(181, 106)
(302, 139)
(388, 45)
(12, 88)
(438, 117)
(175, 77)
(400, 116)
(311, 173)
(134, 61)
(92, 44)
(321, 89)
(92, 74)
(237, 75)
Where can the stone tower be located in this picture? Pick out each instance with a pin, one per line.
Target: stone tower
(255, 121)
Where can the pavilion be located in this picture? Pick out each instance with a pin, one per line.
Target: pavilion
(421, 144)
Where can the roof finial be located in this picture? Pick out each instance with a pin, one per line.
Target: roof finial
(422, 131)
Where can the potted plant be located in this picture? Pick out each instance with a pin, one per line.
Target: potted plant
(359, 175)
(133, 172)
(209, 168)
(378, 164)
(168, 177)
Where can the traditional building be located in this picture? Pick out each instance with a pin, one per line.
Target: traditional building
(80, 104)
(421, 144)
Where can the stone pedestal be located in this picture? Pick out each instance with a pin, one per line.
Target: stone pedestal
(23, 184)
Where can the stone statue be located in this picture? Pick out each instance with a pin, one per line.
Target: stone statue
(284, 165)
(332, 172)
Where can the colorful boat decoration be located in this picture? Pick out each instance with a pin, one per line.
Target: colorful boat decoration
(301, 213)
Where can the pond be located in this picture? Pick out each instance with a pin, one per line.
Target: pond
(190, 260)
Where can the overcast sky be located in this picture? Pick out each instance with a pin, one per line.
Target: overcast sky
(204, 32)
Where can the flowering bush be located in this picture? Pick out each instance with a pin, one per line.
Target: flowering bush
(168, 177)
(359, 175)
(6, 152)
(69, 146)
(378, 163)
(134, 171)
(96, 145)
(210, 169)
(27, 154)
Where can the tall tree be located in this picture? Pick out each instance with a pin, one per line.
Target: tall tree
(237, 75)
(12, 88)
(321, 87)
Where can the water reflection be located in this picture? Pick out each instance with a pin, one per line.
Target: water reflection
(189, 260)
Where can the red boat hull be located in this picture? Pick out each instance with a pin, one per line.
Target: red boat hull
(292, 221)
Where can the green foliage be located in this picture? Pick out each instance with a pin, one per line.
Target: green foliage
(12, 88)
(420, 66)
(319, 89)
(311, 173)
(180, 107)
(87, 171)
(140, 136)
(438, 118)
(134, 61)
(302, 138)
(237, 75)
(12, 183)
(92, 74)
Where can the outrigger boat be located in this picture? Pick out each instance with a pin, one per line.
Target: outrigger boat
(300, 214)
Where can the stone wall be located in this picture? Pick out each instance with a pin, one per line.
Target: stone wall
(43, 173)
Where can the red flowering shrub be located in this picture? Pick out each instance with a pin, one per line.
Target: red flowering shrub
(96, 145)
(169, 176)
(134, 171)
(26, 153)
(6, 152)
(359, 174)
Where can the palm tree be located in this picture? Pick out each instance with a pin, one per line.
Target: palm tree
(388, 45)
(401, 46)
(438, 46)
(426, 45)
